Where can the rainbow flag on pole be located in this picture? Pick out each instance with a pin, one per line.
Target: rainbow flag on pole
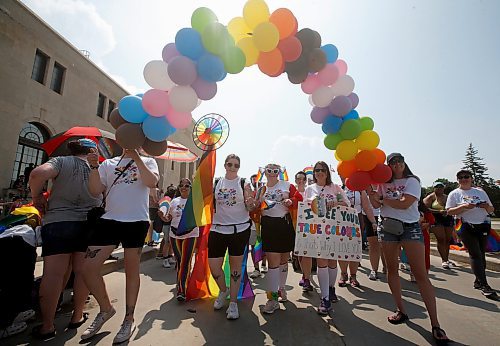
(308, 170)
(283, 174)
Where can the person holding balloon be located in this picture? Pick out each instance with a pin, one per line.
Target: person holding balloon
(398, 200)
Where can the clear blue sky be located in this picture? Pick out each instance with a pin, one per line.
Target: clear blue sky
(427, 72)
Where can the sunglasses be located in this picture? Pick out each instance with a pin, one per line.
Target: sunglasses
(272, 170)
(236, 165)
(395, 161)
(187, 186)
(317, 170)
(463, 177)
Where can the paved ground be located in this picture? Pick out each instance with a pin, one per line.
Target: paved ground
(359, 319)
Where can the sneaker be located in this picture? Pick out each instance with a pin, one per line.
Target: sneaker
(271, 306)
(125, 332)
(282, 295)
(307, 287)
(13, 329)
(451, 264)
(181, 297)
(487, 290)
(263, 269)
(221, 300)
(255, 274)
(171, 260)
(301, 282)
(477, 285)
(445, 265)
(373, 275)
(232, 311)
(325, 307)
(331, 294)
(405, 266)
(96, 325)
(166, 263)
(24, 316)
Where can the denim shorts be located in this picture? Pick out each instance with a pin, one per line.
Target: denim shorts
(411, 232)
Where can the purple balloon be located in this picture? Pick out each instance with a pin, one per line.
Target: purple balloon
(340, 106)
(318, 114)
(354, 99)
(169, 52)
(205, 90)
(182, 71)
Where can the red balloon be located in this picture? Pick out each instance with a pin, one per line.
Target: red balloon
(381, 173)
(290, 48)
(358, 181)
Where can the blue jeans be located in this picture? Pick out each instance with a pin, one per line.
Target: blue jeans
(411, 232)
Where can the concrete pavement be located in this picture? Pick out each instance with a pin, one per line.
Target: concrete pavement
(359, 318)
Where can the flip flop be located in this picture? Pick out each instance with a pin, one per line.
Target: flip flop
(398, 317)
(438, 334)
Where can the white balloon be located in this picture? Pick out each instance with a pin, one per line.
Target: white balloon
(183, 98)
(343, 86)
(310, 99)
(322, 96)
(156, 75)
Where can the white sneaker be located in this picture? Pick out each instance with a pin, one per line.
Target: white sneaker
(13, 329)
(255, 274)
(166, 263)
(270, 307)
(373, 275)
(24, 316)
(263, 269)
(125, 332)
(96, 325)
(282, 295)
(232, 311)
(451, 264)
(445, 265)
(221, 300)
(171, 260)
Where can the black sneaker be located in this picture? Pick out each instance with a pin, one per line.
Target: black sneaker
(487, 290)
(477, 285)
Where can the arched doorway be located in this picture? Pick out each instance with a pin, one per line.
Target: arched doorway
(29, 149)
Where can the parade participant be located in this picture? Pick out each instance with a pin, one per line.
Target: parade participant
(230, 232)
(64, 232)
(443, 226)
(183, 245)
(304, 262)
(126, 181)
(155, 223)
(398, 200)
(278, 234)
(471, 207)
(329, 195)
(253, 237)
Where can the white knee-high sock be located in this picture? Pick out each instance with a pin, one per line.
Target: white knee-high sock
(332, 276)
(273, 279)
(323, 281)
(283, 274)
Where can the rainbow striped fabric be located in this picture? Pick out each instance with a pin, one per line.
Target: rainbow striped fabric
(283, 174)
(308, 170)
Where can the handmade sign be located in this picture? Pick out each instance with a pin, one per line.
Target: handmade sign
(334, 235)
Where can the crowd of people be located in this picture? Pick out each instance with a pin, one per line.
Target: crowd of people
(122, 196)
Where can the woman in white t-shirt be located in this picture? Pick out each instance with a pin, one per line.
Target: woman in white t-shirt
(230, 232)
(398, 200)
(183, 245)
(278, 234)
(473, 206)
(305, 281)
(328, 196)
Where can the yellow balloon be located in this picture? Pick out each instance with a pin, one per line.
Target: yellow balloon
(238, 28)
(367, 140)
(336, 156)
(346, 150)
(266, 36)
(251, 52)
(255, 12)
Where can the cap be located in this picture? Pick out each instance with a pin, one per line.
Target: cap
(466, 171)
(87, 143)
(437, 183)
(393, 155)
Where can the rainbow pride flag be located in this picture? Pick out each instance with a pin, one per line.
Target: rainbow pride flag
(257, 252)
(308, 170)
(198, 209)
(283, 174)
(245, 290)
(260, 174)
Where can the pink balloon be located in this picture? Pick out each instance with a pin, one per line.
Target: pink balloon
(319, 114)
(310, 84)
(328, 75)
(341, 66)
(179, 120)
(155, 102)
(205, 90)
(169, 52)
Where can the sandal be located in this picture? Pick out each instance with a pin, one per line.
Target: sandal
(397, 318)
(75, 325)
(35, 333)
(439, 336)
(353, 281)
(343, 280)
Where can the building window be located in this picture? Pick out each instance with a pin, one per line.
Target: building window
(100, 105)
(111, 106)
(40, 67)
(183, 171)
(56, 83)
(172, 167)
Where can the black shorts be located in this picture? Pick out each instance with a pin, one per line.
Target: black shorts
(370, 231)
(277, 234)
(235, 243)
(443, 220)
(64, 237)
(112, 232)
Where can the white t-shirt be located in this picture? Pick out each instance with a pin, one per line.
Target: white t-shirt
(395, 190)
(274, 197)
(354, 198)
(331, 193)
(230, 207)
(128, 199)
(474, 196)
(176, 207)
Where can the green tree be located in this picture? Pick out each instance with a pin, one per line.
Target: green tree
(475, 164)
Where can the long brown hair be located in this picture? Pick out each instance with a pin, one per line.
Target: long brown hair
(328, 174)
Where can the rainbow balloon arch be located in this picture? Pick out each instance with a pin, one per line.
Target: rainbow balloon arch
(205, 53)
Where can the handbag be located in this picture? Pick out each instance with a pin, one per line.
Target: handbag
(393, 226)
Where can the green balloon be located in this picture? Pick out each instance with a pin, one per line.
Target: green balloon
(216, 39)
(366, 123)
(201, 17)
(350, 129)
(332, 140)
(234, 60)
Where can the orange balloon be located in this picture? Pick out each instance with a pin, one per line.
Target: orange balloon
(379, 154)
(290, 48)
(346, 168)
(365, 160)
(285, 21)
(280, 71)
(271, 62)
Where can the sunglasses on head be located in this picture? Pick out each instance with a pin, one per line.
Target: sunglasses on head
(317, 170)
(465, 176)
(272, 170)
(396, 160)
(185, 186)
(230, 164)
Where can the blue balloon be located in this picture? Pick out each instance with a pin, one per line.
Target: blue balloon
(188, 43)
(332, 53)
(157, 129)
(331, 124)
(351, 115)
(130, 108)
(211, 68)
(139, 95)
